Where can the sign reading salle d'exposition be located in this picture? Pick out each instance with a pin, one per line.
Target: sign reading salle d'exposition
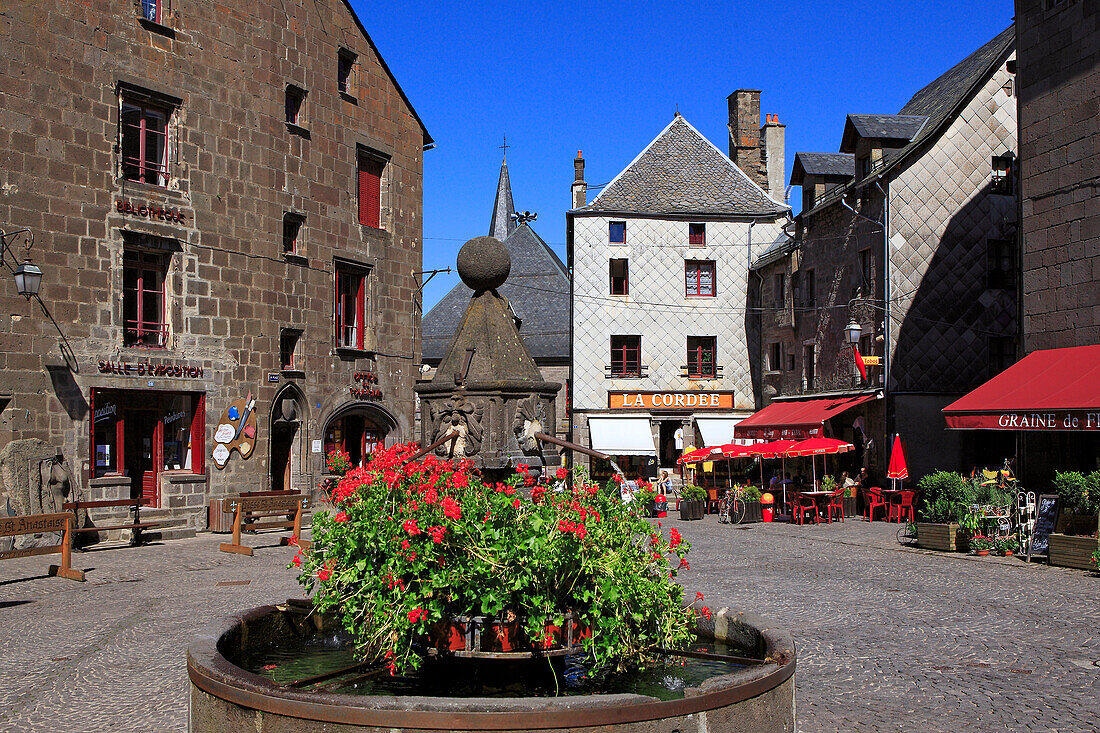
(671, 400)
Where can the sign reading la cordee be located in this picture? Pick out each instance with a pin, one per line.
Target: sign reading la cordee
(670, 400)
(1060, 420)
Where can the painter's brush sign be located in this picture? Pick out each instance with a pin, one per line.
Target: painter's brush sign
(236, 431)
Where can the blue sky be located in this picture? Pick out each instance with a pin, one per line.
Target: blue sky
(606, 77)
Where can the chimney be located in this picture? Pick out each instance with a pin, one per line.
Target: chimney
(744, 127)
(773, 137)
(579, 188)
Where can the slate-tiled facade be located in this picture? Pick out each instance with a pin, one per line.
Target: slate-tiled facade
(939, 322)
(235, 170)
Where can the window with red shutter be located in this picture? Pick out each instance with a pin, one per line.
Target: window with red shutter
(697, 235)
(370, 192)
(350, 306)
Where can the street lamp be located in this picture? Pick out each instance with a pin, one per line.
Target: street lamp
(853, 331)
(28, 278)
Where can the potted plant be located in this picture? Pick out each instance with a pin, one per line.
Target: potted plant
(1077, 538)
(980, 545)
(753, 511)
(413, 550)
(693, 502)
(1008, 546)
(945, 505)
(646, 497)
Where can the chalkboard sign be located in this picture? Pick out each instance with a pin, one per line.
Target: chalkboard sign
(1046, 514)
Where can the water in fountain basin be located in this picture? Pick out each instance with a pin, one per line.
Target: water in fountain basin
(287, 660)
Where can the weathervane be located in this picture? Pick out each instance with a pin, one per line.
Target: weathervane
(522, 217)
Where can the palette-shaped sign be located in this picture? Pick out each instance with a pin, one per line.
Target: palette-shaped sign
(236, 431)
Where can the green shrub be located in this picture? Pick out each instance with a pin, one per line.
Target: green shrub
(751, 493)
(828, 483)
(693, 493)
(946, 496)
(1078, 492)
(987, 492)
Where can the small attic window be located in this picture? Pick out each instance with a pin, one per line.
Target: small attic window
(617, 232)
(1002, 174)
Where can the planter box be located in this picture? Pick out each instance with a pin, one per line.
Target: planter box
(753, 512)
(850, 507)
(691, 509)
(943, 537)
(1070, 551)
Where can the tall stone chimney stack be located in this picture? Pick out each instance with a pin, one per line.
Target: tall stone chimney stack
(579, 188)
(744, 127)
(774, 135)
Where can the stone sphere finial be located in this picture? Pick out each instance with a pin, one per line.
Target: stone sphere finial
(484, 263)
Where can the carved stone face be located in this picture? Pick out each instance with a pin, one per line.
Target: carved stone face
(461, 416)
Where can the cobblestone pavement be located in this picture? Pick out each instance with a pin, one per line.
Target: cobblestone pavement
(888, 638)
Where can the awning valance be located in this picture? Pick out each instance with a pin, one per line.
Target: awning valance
(1054, 389)
(621, 436)
(716, 430)
(799, 419)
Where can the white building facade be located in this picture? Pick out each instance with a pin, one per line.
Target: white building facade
(660, 262)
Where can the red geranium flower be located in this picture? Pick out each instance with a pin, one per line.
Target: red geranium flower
(339, 518)
(451, 508)
(410, 527)
(417, 614)
(561, 474)
(674, 538)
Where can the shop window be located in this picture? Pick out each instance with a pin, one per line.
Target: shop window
(294, 105)
(143, 311)
(141, 433)
(351, 286)
(371, 169)
(699, 278)
(1002, 354)
(1002, 174)
(288, 349)
(292, 230)
(619, 273)
(697, 235)
(356, 435)
(701, 352)
(1000, 264)
(775, 352)
(617, 232)
(143, 139)
(626, 356)
(345, 72)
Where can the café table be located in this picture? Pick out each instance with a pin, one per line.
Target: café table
(821, 499)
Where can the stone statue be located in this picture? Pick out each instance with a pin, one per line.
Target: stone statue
(34, 479)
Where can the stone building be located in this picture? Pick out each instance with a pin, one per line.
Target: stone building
(660, 262)
(226, 206)
(910, 231)
(537, 292)
(1054, 424)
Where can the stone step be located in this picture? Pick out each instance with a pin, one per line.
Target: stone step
(174, 532)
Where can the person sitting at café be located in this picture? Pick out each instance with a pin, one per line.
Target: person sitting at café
(865, 480)
(846, 480)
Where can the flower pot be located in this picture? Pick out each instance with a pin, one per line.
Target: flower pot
(1070, 551)
(1007, 553)
(981, 553)
(449, 636)
(502, 636)
(753, 512)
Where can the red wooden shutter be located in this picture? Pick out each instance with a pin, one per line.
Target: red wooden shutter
(370, 192)
(198, 435)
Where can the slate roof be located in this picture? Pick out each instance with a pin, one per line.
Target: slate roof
(886, 127)
(502, 223)
(537, 290)
(681, 172)
(777, 249)
(822, 164)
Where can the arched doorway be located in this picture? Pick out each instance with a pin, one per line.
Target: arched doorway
(286, 432)
(358, 430)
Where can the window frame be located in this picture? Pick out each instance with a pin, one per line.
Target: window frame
(809, 364)
(779, 288)
(293, 222)
(623, 280)
(289, 338)
(345, 75)
(697, 234)
(158, 11)
(866, 272)
(697, 367)
(775, 356)
(144, 105)
(1001, 178)
(809, 294)
(297, 121)
(629, 345)
(611, 232)
(370, 170)
(146, 259)
(999, 252)
(343, 270)
(696, 280)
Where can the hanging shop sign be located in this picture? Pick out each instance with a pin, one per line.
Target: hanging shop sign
(149, 211)
(671, 400)
(365, 386)
(236, 431)
(149, 369)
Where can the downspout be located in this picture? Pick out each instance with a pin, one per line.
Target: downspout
(572, 356)
(886, 305)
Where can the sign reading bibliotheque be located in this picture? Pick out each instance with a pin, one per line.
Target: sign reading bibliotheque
(670, 400)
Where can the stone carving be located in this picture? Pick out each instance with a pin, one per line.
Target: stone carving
(462, 416)
(34, 479)
(529, 419)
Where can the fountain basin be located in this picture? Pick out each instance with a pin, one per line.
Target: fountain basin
(757, 699)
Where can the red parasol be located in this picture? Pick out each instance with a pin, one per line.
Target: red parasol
(897, 468)
(818, 447)
(701, 455)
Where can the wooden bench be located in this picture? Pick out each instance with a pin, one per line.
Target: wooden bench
(250, 513)
(36, 524)
(134, 504)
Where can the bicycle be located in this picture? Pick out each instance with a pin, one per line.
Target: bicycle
(731, 507)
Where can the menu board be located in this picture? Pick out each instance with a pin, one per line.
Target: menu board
(1046, 514)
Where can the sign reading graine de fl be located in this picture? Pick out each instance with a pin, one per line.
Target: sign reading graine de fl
(33, 524)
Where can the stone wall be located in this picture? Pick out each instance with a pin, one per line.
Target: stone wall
(1059, 73)
(235, 168)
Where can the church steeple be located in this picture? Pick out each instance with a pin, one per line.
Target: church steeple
(503, 209)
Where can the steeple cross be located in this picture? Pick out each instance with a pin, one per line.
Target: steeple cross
(505, 146)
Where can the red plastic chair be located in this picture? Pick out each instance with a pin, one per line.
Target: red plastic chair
(800, 505)
(872, 500)
(712, 500)
(836, 503)
(902, 507)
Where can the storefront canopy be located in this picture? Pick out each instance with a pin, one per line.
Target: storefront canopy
(622, 436)
(796, 418)
(716, 430)
(1054, 389)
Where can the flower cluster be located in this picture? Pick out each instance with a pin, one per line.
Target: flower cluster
(413, 544)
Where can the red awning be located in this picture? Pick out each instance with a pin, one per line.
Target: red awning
(1055, 389)
(796, 418)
